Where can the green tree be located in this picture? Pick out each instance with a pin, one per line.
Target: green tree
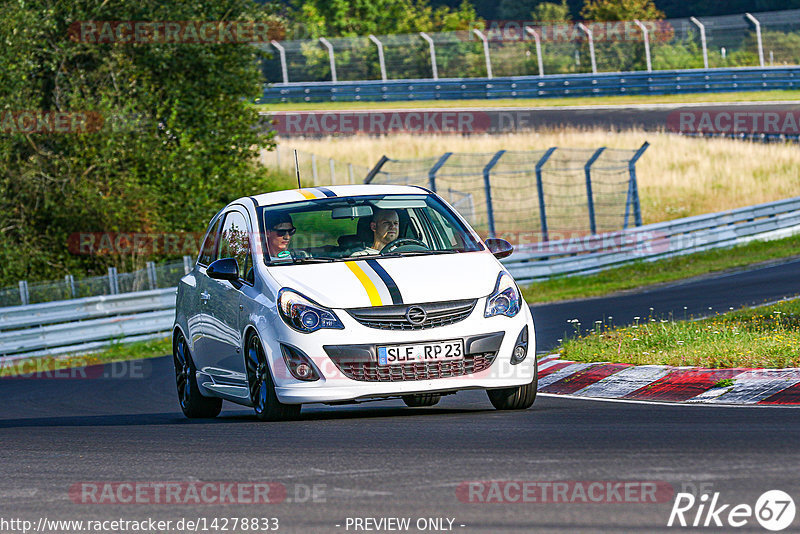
(621, 10)
(349, 18)
(516, 9)
(552, 12)
(178, 142)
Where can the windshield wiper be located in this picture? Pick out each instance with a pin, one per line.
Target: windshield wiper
(313, 260)
(420, 253)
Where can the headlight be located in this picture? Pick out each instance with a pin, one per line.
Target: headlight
(304, 315)
(505, 298)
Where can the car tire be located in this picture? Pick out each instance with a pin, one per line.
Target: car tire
(421, 399)
(262, 387)
(193, 404)
(516, 398)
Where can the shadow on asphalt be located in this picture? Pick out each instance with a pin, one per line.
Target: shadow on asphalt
(229, 418)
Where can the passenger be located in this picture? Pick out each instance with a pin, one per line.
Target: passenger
(385, 227)
(280, 230)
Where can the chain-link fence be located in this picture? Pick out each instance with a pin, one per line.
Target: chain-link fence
(523, 48)
(530, 196)
(153, 276)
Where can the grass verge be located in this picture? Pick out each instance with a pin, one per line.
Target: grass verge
(116, 352)
(761, 337)
(641, 274)
(754, 96)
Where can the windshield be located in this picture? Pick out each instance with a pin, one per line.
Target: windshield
(337, 229)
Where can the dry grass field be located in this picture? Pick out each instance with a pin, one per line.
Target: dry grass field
(678, 176)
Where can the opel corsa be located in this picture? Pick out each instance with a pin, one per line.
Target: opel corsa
(344, 295)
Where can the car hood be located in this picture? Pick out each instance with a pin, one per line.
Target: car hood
(387, 281)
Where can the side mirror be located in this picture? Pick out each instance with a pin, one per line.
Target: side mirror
(224, 269)
(499, 247)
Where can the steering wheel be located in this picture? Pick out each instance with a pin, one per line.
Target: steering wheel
(401, 242)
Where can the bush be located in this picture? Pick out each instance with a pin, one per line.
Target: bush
(179, 139)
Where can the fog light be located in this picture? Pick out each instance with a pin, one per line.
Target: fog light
(521, 347)
(299, 364)
(303, 370)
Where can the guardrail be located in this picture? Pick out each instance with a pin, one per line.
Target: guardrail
(85, 324)
(90, 323)
(601, 84)
(652, 242)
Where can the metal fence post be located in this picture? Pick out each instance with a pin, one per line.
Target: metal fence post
(350, 175)
(314, 168)
(703, 41)
(435, 169)
(646, 36)
(332, 59)
(633, 189)
(70, 281)
(589, 195)
(754, 20)
(432, 48)
(380, 55)
(150, 267)
(540, 191)
(24, 297)
(113, 281)
(282, 54)
(278, 156)
(487, 186)
(333, 171)
(588, 33)
(187, 264)
(486, 56)
(376, 169)
(538, 41)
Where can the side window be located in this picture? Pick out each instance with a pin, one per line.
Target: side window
(444, 230)
(209, 248)
(234, 241)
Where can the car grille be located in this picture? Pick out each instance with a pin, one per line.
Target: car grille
(372, 372)
(394, 317)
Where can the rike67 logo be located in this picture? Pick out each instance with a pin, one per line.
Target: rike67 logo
(774, 510)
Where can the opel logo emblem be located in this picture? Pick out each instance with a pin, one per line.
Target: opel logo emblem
(416, 315)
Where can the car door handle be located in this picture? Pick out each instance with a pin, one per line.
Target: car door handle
(204, 296)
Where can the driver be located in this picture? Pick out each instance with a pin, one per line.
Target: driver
(385, 227)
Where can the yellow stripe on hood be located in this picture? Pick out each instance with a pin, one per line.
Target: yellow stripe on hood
(369, 286)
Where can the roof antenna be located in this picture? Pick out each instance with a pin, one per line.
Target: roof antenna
(297, 169)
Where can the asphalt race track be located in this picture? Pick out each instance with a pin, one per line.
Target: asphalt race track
(383, 460)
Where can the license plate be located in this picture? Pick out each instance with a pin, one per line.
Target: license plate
(421, 352)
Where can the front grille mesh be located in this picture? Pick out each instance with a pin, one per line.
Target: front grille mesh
(394, 317)
(372, 372)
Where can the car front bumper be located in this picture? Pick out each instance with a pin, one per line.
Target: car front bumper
(493, 338)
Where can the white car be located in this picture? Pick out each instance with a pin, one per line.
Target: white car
(348, 294)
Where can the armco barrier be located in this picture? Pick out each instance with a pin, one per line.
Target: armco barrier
(601, 84)
(655, 241)
(90, 323)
